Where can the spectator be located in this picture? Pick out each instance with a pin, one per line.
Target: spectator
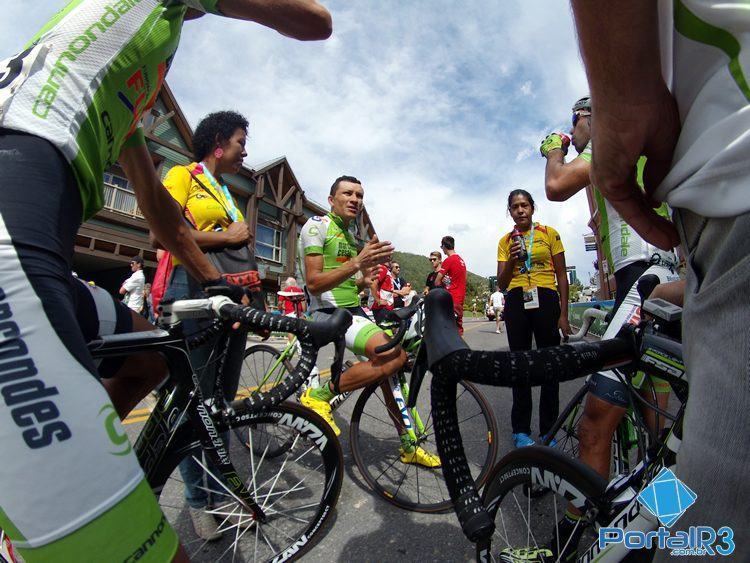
(132, 288)
(702, 173)
(497, 302)
(532, 305)
(147, 311)
(381, 290)
(401, 287)
(436, 261)
(452, 276)
(219, 147)
(288, 304)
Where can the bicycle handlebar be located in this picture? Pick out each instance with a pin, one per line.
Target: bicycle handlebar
(450, 360)
(312, 335)
(401, 316)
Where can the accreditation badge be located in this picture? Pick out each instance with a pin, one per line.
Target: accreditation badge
(531, 297)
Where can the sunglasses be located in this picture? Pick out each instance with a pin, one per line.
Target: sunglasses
(433, 259)
(578, 115)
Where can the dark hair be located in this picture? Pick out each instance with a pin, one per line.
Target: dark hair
(523, 193)
(340, 179)
(221, 125)
(448, 243)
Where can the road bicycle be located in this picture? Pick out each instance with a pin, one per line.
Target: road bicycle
(270, 509)
(526, 526)
(632, 435)
(375, 429)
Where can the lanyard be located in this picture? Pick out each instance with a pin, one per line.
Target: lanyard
(232, 209)
(528, 251)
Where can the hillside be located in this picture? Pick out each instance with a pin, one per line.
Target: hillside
(415, 268)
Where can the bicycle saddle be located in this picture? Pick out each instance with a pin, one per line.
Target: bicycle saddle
(331, 329)
(405, 312)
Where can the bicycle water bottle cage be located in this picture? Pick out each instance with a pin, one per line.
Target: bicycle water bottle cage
(441, 333)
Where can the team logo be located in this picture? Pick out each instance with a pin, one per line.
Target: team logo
(313, 231)
(116, 434)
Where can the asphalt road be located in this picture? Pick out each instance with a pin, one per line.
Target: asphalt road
(367, 528)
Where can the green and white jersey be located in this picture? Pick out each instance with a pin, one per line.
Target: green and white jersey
(86, 78)
(328, 236)
(620, 243)
(706, 62)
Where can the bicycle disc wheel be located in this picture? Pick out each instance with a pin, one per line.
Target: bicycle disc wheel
(261, 369)
(375, 446)
(297, 491)
(527, 526)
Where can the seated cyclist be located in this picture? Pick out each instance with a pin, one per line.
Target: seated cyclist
(71, 103)
(629, 257)
(333, 273)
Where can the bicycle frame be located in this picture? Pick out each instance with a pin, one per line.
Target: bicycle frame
(625, 511)
(166, 438)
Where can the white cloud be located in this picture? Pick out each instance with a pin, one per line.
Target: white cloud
(438, 107)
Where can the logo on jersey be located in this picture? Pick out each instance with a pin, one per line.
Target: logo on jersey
(116, 435)
(313, 231)
(29, 400)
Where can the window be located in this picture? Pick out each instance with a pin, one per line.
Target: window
(268, 243)
(119, 196)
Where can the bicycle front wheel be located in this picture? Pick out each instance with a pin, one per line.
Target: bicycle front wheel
(376, 444)
(262, 368)
(528, 525)
(297, 491)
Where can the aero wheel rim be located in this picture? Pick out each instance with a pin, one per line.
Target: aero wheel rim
(410, 485)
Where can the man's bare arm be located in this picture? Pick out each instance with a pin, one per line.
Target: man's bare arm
(634, 113)
(163, 213)
(305, 20)
(561, 180)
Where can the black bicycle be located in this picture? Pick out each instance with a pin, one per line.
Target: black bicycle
(512, 512)
(269, 508)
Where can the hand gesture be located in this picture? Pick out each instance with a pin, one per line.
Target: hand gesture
(622, 131)
(238, 233)
(515, 250)
(374, 253)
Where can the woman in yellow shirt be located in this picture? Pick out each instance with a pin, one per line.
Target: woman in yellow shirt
(533, 306)
(219, 148)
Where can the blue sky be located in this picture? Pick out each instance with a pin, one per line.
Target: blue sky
(437, 106)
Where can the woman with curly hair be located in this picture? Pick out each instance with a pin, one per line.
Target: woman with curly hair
(207, 204)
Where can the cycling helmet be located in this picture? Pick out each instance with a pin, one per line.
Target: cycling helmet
(583, 104)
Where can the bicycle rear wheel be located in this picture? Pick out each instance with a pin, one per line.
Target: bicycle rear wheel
(297, 491)
(262, 368)
(527, 525)
(375, 446)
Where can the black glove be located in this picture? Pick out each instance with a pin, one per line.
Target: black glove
(220, 286)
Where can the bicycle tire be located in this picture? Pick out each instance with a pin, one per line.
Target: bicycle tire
(413, 487)
(515, 512)
(298, 492)
(256, 363)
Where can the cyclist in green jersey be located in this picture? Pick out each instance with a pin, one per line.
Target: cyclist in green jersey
(70, 106)
(334, 272)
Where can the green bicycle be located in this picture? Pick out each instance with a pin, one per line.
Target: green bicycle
(376, 431)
